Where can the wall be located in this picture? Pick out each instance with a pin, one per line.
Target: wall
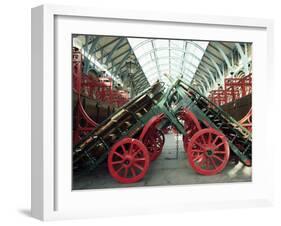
(15, 112)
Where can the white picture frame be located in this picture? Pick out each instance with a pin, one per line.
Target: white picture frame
(52, 197)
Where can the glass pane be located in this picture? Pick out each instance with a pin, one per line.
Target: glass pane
(160, 43)
(184, 56)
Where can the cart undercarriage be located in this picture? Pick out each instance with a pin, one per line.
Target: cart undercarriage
(132, 137)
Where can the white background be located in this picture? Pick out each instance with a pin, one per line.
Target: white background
(156, 199)
(15, 112)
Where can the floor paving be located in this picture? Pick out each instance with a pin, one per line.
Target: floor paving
(171, 168)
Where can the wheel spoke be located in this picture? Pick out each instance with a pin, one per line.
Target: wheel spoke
(219, 152)
(131, 148)
(121, 167)
(197, 158)
(213, 162)
(200, 145)
(126, 172)
(207, 163)
(117, 162)
(136, 152)
(216, 147)
(133, 171)
(119, 155)
(209, 138)
(215, 140)
(203, 139)
(200, 163)
(139, 159)
(218, 158)
(138, 166)
(219, 145)
(124, 149)
(197, 151)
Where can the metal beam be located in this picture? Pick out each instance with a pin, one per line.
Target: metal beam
(139, 75)
(141, 80)
(200, 67)
(215, 56)
(107, 44)
(108, 58)
(207, 55)
(202, 85)
(169, 56)
(93, 46)
(121, 54)
(244, 58)
(119, 47)
(217, 68)
(165, 48)
(218, 48)
(139, 68)
(183, 56)
(205, 62)
(138, 63)
(140, 84)
(190, 42)
(208, 77)
(155, 57)
(207, 82)
(212, 76)
(226, 46)
(153, 68)
(88, 58)
(122, 61)
(142, 87)
(137, 80)
(177, 70)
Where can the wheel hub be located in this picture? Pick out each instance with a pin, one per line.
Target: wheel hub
(209, 152)
(128, 160)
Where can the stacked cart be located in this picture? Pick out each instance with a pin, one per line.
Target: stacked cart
(132, 137)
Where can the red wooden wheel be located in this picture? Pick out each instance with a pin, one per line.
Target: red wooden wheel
(154, 141)
(191, 126)
(152, 137)
(208, 151)
(128, 160)
(246, 121)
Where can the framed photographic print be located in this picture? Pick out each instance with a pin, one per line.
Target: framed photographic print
(140, 112)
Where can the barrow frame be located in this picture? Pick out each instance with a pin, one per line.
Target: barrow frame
(44, 124)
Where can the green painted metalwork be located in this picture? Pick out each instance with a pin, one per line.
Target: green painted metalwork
(169, 102)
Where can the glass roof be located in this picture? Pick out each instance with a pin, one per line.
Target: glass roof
(167, 60)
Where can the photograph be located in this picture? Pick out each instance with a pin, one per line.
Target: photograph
(160, 112)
